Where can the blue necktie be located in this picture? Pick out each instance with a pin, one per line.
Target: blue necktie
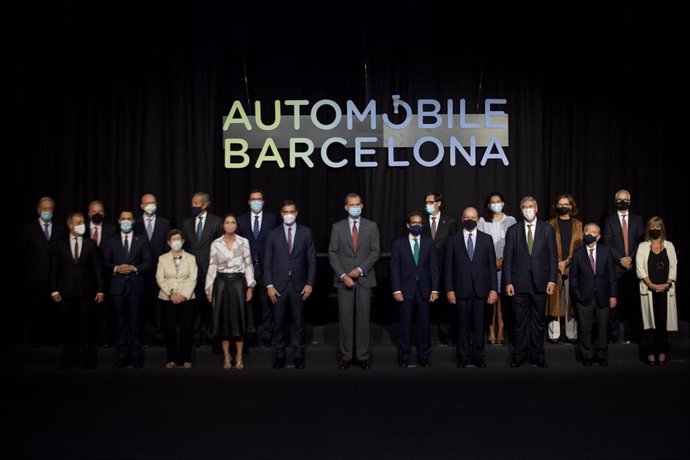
(149, 228)
(470, 247)
(415, 251)
(199, 228)
(255, 230)
(46, 232)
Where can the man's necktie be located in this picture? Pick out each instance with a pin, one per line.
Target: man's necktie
(530, 238)
(76, 249)
(126, 245)
(415, 251)
(46, 233)
(94, 235)
(433, 227)
(289, 239)
(591, 260)
(470, 247)
(255, 230)
(149, 228)
(624, 227)
(199, 228)
(355, 237)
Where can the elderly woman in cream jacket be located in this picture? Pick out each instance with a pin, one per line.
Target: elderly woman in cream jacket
(657, 264)
(176, 276)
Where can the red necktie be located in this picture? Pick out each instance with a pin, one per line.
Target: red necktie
(95, 235)
(624, 226)
(355, 236)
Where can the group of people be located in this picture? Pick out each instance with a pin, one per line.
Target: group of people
(226, 279)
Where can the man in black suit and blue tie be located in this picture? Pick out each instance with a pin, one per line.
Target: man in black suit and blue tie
(128, 257)
(593, 286)
(415, 283)
(255, 225)
(290, 264)
(530, 266)
(471, 283)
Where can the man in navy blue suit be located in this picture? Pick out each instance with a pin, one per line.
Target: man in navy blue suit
(415, 282)
(290, 272)
(530, 266)
(471, 283)
(255, 225)
(127, 257)
(593, 286)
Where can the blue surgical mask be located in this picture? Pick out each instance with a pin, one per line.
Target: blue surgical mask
(196, 210)
(289, 219)
(354, 211)
(126, 226)
(430, 208)
(46, 216)
(416, 230)
(256, 206)
(151, 208)
(496, 207)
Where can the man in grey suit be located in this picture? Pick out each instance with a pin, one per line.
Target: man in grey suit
(353, 252)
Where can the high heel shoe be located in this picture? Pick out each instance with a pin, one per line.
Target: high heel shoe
(662, 362)
(239, 365)
(651, 361)
(228, 363)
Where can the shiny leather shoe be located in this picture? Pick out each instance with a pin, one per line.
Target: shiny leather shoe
(118, 365)
(541, 363)
(299, 363)
(424, 363)
(516, 363)
(403, 362)
(266, 342)
(462, 363)
(364, 364)
(602, 362)
(279, 363)
(479, 364)
(587, 362)
(344, 364)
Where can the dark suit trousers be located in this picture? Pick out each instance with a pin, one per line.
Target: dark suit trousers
(41, 317)
(174, 315)
(408, 307)
(77, 321)
(203, 317)
(471, 326)
(260, 313)
(530, 324)
(354, 306)
(290, 300)
(128, 311)
(628, 310)
(586, 315)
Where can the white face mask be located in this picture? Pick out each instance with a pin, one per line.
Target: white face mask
(80, 229)
(289, 219)
(176, 245)
(150, 208)
(528, 213)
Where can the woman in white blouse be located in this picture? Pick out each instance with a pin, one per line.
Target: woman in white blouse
(229, 285)
(176, 276)
(657, 265)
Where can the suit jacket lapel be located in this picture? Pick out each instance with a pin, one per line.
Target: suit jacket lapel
(599, 262)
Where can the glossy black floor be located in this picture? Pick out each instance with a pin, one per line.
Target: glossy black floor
(626, 410)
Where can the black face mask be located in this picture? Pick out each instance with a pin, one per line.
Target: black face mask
(470, 225)
(589, 239)
(97, 218)
(562, 210)
(622, 205)
(655, 233)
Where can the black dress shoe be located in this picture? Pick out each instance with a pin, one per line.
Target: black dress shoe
(364, 364)
(602, 362)
(344, 364)
(118, 365)
(541, 363)
(299, 363)
(266, 342)
(424, 363)
(403, 362)
(516, 363)
(279, 363)
(586, 362)
(138, 364)
(462, 363)
(479, 363)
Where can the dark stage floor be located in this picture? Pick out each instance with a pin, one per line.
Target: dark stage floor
(626, 410)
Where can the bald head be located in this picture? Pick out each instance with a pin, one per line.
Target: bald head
(470, 214)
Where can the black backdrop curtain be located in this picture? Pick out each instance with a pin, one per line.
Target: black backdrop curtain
(110, 102)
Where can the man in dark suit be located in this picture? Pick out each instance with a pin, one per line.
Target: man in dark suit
(255, 225)
(593, 286)
(100, 231)
(76, 282)
(154, 229)
(441, 226)
(290, 262)
(530, 266)
(623, 245)
(353, 251)
(38, 245)
(471, 283)
(127, 257)
(415, 282)
(199, 232)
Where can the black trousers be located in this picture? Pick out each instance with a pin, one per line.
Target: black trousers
(408, 308)
(471, 313)
(628, 310)
(128, 312)
(656, 340)
(78, 331)
(178, 316)
(587, 314)
(260, 309)
(529, 325)
(290, 300)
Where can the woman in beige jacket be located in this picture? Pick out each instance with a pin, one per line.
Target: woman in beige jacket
(657, 265)
(176, 276)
